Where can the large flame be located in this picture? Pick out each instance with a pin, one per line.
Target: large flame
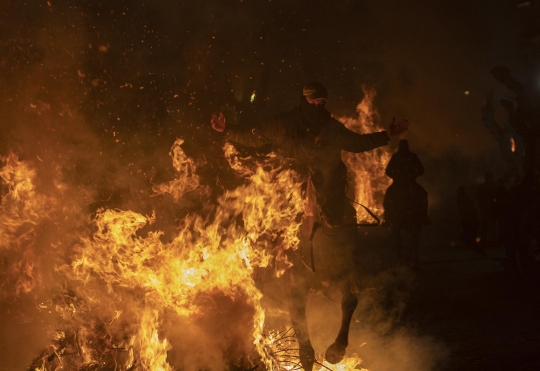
(120, 284)
(367, 169)
(116, 279)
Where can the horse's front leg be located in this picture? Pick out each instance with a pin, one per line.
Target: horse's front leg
(297, 312)
(336, 351)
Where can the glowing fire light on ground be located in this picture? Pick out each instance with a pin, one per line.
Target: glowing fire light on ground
(115, 286)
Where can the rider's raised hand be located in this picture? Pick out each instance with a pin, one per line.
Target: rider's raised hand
(396, 129)
(218, 122)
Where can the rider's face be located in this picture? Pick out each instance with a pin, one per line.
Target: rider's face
(318, 102)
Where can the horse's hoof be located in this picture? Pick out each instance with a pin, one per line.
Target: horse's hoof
(307, 356)
(335, 353)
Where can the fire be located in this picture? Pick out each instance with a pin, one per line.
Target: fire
(117, 280)
(281, 350)
(512, 144)
(367, 169)
(120, 285)
(347, 364)
(187, 181)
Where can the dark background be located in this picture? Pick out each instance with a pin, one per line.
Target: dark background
(101, 89)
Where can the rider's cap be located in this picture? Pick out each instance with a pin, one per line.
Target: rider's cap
(314, 91)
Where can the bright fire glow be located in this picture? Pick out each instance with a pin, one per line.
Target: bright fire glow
(115, 280)
(121, 283)
(346, 364)
(367, 169)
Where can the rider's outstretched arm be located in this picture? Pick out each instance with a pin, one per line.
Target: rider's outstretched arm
(354, 142)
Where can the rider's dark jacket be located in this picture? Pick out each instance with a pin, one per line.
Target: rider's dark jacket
(313, 140)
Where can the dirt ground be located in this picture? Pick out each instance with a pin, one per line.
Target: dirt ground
(459, 311)
(486, 319)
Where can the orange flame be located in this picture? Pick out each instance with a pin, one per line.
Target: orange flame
(351, 363)
(187, 180)
(119, 282)
(367, 169)
(208, 255)
(23, 212)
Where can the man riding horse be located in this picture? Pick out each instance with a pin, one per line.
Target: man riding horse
(312, 140)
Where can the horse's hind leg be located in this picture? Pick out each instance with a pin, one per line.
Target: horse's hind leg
(336, 351)
(297, 312)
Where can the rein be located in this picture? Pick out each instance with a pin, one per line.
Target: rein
(371, 213)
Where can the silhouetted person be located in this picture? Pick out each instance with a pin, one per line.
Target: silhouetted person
(524, 200)
(524, 117)
(487, 205)
(520, 213)
(405, 201)
(510, 143)
(470, 222)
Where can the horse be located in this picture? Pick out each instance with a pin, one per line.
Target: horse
(325, 258)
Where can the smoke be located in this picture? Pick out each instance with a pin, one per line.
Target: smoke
(95, 94)
(219, 335)
(383, 331)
